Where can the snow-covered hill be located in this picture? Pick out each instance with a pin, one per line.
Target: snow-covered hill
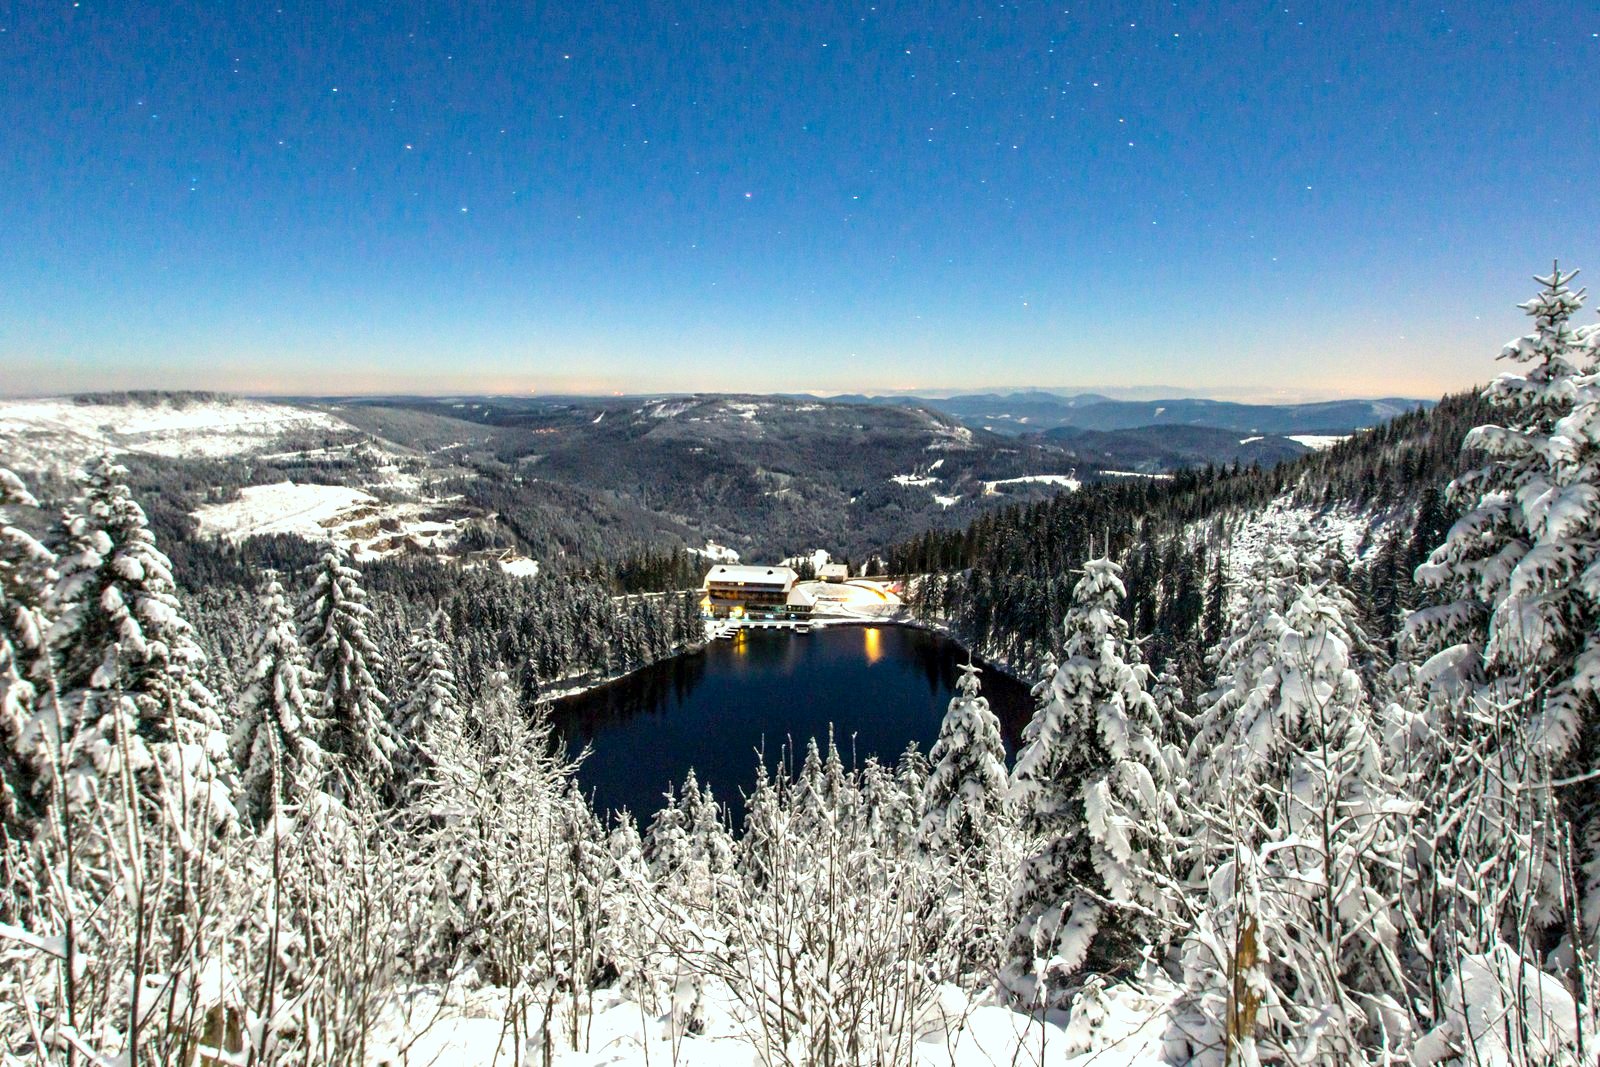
(380, 504)
(355, 519)
(59, 434)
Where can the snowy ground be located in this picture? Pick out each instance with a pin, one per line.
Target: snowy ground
(352, 518)
(717, 553)
(818, 558)
(465, 1028)
(60, 434)
(520, 567)
(1317, 441)
(854, 598)
(1066, 481)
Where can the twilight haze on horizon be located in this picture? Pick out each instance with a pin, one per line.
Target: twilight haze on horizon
(321, 198)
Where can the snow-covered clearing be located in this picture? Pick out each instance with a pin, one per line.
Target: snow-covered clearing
(818, 558)
(921, 476)
(950, 438)
(1250, 440)
(1318, 441)
(1066, 481)
(520, 567)
(1137, 474)
(352, 518)
(667, 409)
(945, 501)
(717, 553)
(60, 434)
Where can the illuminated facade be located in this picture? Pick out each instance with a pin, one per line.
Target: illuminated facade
(734, 591)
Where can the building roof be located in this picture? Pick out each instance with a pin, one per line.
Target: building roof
(725, 572)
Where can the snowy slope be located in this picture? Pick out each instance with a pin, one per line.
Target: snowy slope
(59, 434)
(1356, 532)
(352, 518)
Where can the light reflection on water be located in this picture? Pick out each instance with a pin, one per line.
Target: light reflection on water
(878, 686)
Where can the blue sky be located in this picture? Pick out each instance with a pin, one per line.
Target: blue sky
(326, 197)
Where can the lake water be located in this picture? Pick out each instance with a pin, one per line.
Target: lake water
(880, 687)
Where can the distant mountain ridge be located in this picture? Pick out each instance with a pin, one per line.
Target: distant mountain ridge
(1030, 411)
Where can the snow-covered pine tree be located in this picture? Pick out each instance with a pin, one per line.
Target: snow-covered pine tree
(26, 576)
(1300, 837)
(825, 792)
(964, 798)
(966, 835)
(122, 627)
(1512, 633)
(688, 843)
(1090, 786)
(275, 730)
(430, 709)
(666, 838)
(333, 630)
(1514, 596)
(122, 647)
(1248, 651)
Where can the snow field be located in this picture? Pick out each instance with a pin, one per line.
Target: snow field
(60, 434)
(351, 518)
(1316, 441)
(1066, 481)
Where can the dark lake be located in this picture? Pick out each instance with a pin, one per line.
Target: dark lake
(880, 687)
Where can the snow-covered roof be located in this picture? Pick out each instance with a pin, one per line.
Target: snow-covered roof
(783, 576)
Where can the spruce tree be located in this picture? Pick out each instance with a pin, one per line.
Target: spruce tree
(1299, 838)
(126, 665)
(966, 833)
(431, 709)
(333, 629)
(275, 732)
(1513, 631)
(26, 575)
(121, 628)
(1090, 784)
(964, 799)
(1515, 599)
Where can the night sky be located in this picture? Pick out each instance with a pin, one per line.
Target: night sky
(1240, 199)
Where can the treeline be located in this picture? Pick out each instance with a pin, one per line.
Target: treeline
(1003, 582)
(548, 632)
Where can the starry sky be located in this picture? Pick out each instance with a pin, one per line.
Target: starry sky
(1237, 199)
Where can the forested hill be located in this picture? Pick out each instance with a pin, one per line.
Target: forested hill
(1006, 578)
